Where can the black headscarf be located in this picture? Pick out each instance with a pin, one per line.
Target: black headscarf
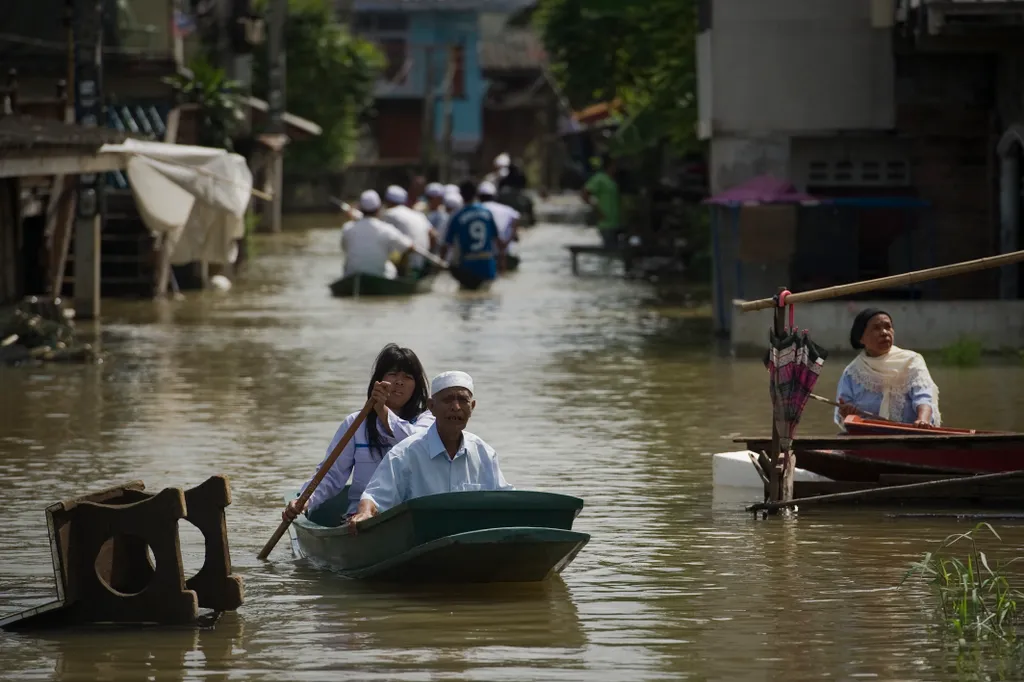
(860, 323)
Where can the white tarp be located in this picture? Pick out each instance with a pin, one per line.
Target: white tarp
(194, 197)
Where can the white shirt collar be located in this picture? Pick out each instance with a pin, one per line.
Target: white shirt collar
(437, 445)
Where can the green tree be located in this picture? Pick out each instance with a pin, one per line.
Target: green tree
(219, 99)
(642, 52)
(330, 80)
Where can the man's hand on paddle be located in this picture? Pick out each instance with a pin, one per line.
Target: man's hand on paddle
(293, 510)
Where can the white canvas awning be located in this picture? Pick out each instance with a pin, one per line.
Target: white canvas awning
(194, 197)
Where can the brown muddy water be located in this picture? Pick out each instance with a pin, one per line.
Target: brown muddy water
(586, 386)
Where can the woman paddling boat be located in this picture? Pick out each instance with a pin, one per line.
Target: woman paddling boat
(884, 379)
(399, 390)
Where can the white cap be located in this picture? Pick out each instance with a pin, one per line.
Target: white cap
(453, 202)
(434, 190)
(369, 200)
(502, 161)
(452, 189)
(487, 188)
(396, 195)
(451, 380)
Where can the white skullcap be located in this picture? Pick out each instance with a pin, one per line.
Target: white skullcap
(452, 189)
(502, 161)
(451, 380)
(434, 189)
(396, 195)
(369, 200)
(453, 202)
(487, 188)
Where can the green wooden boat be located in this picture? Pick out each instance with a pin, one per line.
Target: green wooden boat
(370, 285)
(480, 537)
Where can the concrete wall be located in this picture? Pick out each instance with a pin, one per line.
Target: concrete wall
(797, 66)
(920, 325)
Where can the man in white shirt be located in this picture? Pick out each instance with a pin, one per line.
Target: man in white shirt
(453, 204)
(505, 217)
(413, 224)
(436, 212)
(443, 459)
(369, 242)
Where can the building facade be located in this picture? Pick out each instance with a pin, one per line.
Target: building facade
(910, 111)
(434, 88)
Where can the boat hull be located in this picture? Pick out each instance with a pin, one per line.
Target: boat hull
(370, 285)
(501, 536)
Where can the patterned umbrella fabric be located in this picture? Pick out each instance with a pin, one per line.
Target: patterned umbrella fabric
(794, 364)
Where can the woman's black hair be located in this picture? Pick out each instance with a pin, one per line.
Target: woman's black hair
(394, 358)
(860, 324)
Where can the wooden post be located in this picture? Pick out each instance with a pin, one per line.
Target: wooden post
(276, 190)
(89, 111)
(776, 474)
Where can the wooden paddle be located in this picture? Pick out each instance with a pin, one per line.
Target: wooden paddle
(324, 468)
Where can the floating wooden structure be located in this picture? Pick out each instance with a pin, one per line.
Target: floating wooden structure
(496, 536)
(100, 545)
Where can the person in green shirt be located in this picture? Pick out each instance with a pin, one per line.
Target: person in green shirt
(602, 191)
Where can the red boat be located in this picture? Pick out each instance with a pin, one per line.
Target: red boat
(873, 449)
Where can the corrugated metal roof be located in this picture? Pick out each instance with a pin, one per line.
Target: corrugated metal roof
(27, 133)
(512, 50)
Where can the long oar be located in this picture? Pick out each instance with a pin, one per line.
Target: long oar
(324, 468)
(833, 403)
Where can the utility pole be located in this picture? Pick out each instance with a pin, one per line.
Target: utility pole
(447, 123)
(87, 36)
(427, 131)
(276, 99)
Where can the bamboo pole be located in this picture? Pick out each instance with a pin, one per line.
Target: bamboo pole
(885, 282)
(884, 490)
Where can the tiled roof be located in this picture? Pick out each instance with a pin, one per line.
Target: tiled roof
(512, 50)
(27, 133)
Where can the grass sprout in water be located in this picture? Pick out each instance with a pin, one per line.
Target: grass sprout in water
(976, 599)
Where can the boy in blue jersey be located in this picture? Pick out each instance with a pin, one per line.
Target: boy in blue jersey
(474, 230)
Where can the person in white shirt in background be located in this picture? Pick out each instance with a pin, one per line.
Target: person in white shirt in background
(369, 242)
(412, 223)
(453, 204)
(436, 213)
(505, 217)
(501, 164)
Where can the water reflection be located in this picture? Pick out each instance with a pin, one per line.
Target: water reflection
(585, 385)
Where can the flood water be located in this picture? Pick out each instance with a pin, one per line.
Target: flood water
(586, 386)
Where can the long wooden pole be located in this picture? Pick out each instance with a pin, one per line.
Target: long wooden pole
(884, 490)
(324, 468)
(885, 282)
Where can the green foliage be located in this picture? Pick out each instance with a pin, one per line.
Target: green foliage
(642, 52)
(220, 102)
(966, 352)
(975, 598)
(330, 80)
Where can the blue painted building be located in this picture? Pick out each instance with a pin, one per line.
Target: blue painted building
(419, 37)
